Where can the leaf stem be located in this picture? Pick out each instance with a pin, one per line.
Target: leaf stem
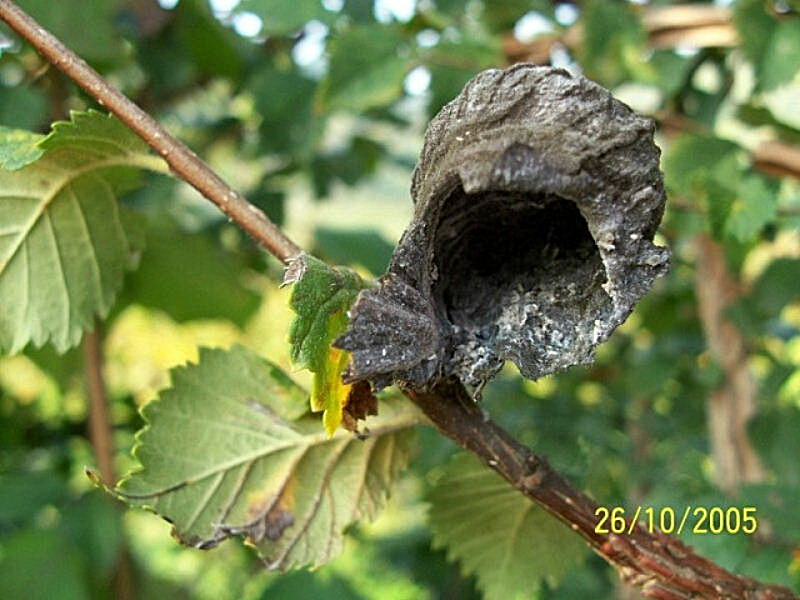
(183, 162)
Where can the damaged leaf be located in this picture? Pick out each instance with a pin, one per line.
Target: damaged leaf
(321, 298)
(361, 403)
(230, 450)
(496, 533)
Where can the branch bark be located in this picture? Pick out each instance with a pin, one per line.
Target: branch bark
(733, 404)
(100, 432)
(662, 567)
(102, 440)
(183, 162)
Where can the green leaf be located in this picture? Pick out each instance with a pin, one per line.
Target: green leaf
(501, 15)
(774, 434)
(18, 148)
(506, 540)
(41, 565)
(64, 241)
(755, 206)
(214, 48)
(281, 17)
(453, 64)
(756, 27)
(204, 282)
(88, 28)
(320, 298)
(365, 247)
(781, 62)
(614, 43)
(349, 164)
(22, 106)
(776, 287)
(226, 453)
(284, 99)
(366, 69)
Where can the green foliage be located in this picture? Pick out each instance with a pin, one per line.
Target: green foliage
(782, 57)
(18, 148)
(40, 565)
(315, 126)
(264, 471)
(71, 21)
(367, 69)
(709, 171)
(614, 41)
(65, 243)
(281, 18)
(320, 298)
(22, 107)
(204, 282)
(496, 533)
(365, 247)
(284, 100)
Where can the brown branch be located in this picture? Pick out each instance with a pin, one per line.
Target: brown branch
(183, 162)
(733, 404)
(100, 432)
(687, 25)
(661, 566)
(102, 440)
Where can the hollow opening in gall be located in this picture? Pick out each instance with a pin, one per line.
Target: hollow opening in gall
(519, 275)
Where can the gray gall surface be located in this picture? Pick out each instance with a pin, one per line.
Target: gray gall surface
(537, 195)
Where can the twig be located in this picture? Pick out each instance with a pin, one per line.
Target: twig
(731, 406)
(661, 566)
(100, 433)
(102, 440)
(183, 162)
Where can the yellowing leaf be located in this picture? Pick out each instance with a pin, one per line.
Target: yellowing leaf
(329, 393)
(321, 297)
(229, 450)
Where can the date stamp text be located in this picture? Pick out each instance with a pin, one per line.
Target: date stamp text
(715, 520)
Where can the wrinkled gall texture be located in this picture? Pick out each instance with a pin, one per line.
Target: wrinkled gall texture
(537, 197)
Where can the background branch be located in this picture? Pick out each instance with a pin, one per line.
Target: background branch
(663, 567)
(101, 436)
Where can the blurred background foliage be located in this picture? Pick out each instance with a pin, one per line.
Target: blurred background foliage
(315, 109)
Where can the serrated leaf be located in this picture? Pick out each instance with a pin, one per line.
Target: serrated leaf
(320, 298)
(224, 453)
(281, 17)
(366, 69)
(64, 241)
(496, 533)
(18, 148)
